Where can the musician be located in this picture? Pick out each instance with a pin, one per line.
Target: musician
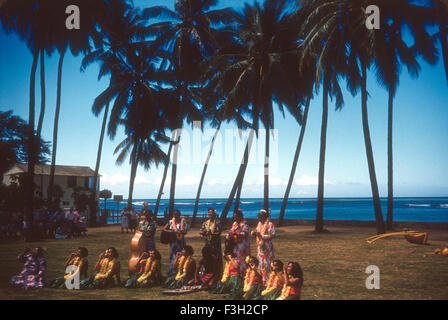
(179, 228)
(147, 226)
(211, 231)
(238, 239)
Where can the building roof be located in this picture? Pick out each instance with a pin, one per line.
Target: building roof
(43, 169)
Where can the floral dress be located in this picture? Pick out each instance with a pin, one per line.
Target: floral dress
(214, 241)
(148, 228)
(242, 247)
(265, 248)
(33, 273)
(177, 245)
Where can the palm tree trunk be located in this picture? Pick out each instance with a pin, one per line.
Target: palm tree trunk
(31, 144)
(240, 176)
(173, 174)
(294, 164)
(319, 227)
(55, 128)
(92, 218)
(165, 171)
(204, 170)
(390, 166)
(266, 170)
(443, 34)
(134, 166)
(380, 228)
(238, 195)
(42, 94)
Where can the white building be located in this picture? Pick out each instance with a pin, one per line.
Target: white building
(67, 177)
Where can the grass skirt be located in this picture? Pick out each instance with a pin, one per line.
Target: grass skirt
(274, 294)
(133, 283)
(172, 283)
(254, 291)
(59, 283)
(91, 283)
(233, 283)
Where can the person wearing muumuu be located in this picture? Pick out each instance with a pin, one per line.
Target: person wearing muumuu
(231, 281)
(33, 272)
(148, 226)
(186, 267)
(239, 237)
(293, 281)
(253, 282)
(264, 233)
(178, 226)
(274, 286)
(79, 260)
(107, 271)
(150, 271)
(211, 231)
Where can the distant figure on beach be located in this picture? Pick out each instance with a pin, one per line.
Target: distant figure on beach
(33, 272)
(238, 240)
(179, 228)
(125, 220)
(211, 231)
(264, 233)
(133, 220)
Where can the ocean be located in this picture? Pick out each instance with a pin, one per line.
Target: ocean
(405, 209)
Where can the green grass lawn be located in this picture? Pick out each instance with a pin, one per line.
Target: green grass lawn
(334, 264)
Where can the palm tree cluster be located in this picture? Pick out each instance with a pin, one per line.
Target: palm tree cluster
(169, 68)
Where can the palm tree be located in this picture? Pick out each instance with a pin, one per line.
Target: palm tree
(190, 35)
(249, 75)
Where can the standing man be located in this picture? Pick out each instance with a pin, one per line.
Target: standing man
(211, 231)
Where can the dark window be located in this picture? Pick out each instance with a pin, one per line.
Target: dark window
(86, 182)
(65, 203)
(71, 182)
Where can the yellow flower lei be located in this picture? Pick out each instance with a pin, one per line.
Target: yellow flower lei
(285, 291)
(106, 267)
(248, 279)
(226, 272)
(273, 278)
(182, 269)
(75, 262)
(151, 267)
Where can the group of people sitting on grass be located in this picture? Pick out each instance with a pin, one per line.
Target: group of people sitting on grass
(244, 276)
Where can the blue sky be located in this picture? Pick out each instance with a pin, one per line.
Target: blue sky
(420, 135)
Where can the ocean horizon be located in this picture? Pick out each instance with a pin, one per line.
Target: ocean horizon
(421, 209)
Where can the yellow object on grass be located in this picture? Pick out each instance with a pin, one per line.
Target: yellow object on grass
(372, 239)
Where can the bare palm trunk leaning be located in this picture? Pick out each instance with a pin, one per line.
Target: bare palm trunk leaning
(31, 143)
(93, 208)
(55, 127)
(266, 170)
(319, 227)
(165, 171)
(42, 93)
(443, 34)
(380, 227)
(390, 163)
(204, 170)
(240, 176)
(134, 165)
(294, 164)
(174, 172)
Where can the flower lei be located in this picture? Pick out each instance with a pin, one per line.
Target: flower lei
(262, 228)
(182, 269)
(151, 267)
(285, 291)
(249, 278)
(226, 272)
(173, 223)
(272, 283)
(76, 262)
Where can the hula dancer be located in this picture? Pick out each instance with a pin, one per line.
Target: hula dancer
(151, 273)
(107, 271)
(211, 231)
(231, 281)
(253, 282)
(275, 283)
(78, 259)
(238, 239)
(209, 265)
(264, 233)
(293, 278)
(186, 268)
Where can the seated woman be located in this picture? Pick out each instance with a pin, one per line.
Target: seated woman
(150, 275)
(231, 282)
(253, 281)
(293, 279)
(78, 259)
(186, 268)
(275, 283)
(107, 271)
(209, 264)
(140, 266)
(33, 272)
